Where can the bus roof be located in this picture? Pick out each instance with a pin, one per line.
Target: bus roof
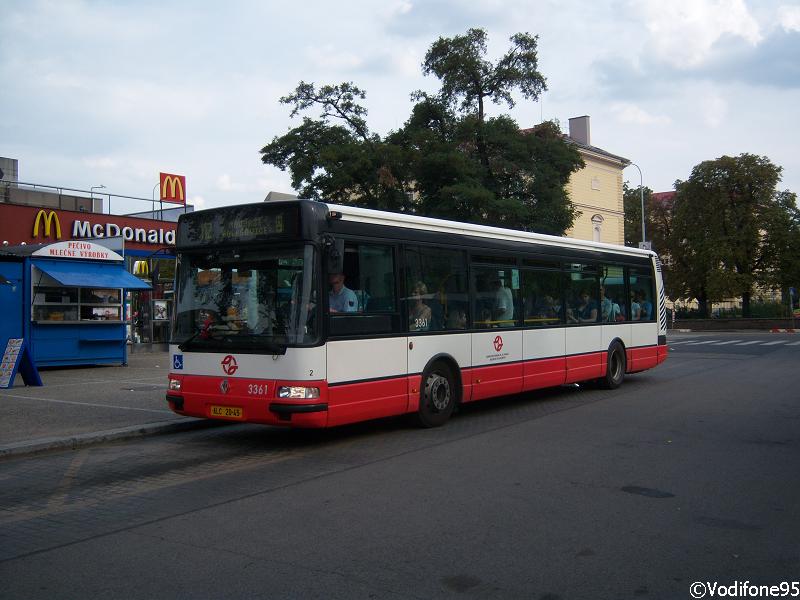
(379, 217)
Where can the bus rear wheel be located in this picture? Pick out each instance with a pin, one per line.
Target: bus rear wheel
(615, 370)
(438, 396)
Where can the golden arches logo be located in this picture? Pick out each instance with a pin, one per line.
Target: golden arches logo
(50, 218)
(172, 187)
(141, 267)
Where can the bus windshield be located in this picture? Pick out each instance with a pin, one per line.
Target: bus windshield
(241, 299)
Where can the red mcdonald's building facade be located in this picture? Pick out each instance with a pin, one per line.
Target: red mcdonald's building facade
(148, 253)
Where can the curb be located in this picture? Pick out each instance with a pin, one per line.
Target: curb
(101, 437)
(783, 331)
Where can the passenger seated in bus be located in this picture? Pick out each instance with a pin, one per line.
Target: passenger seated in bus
(341, 299)
(457, 319)
(645, 306)
(503, 308)
(609, 310)
(585, 310)
(548, 309)
(419, 314)
(636, 309)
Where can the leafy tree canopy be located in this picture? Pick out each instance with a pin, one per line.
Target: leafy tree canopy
(448, 160)
(732, 230)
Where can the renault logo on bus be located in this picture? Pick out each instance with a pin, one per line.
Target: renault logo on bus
(50, 220)
(229, 365)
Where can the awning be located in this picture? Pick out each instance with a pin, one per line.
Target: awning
(91, 274)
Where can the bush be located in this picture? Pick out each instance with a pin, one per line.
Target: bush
(758, 310)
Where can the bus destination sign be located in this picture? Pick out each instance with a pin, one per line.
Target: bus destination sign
(246, 224)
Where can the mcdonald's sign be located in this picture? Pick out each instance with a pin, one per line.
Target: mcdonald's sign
(141, 268)
(50, 221)
(173, 188)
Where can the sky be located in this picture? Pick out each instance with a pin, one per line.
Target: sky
(112, 93)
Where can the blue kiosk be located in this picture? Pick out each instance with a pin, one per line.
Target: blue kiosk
(66, 301)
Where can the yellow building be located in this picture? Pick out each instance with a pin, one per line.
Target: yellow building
(596, 190)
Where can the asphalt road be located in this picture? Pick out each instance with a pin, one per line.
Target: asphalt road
(688, 473)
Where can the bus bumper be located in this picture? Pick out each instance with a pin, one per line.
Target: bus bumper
(250, 400)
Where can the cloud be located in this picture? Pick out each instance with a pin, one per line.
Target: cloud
(226, 184)
(789, 17)
(329, 58)
(731, 52)
(713, 108)
(424, 18)
(683, 32)
(101, 162)
(630, 113)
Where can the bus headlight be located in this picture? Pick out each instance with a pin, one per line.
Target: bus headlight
(174, 385)
(286, 391)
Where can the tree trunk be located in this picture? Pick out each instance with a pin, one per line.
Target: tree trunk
(746, 305)
(703, 305)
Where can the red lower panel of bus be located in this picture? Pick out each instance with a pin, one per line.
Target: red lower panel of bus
(255, 400)
(663, 352)
(640, 359)
(585, 366)
(354, 402)
(544, 373)
(496, 380)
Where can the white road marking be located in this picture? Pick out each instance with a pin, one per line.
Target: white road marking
(749, 343)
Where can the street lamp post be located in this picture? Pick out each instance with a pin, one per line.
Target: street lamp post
(641, 196)
(99, 187)
(153, 195)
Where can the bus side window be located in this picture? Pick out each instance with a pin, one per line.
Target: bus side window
(640, 284)
(369, 276)
(436, 289)
(582, 294)
(496, 296)
(613, 304)
(542, 298)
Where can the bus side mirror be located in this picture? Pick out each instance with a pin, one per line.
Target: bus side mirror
(335, 255)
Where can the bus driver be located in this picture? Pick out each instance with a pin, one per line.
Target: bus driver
(341, 298)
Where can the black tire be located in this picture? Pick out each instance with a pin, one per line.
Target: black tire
(438, 396)
(615, 369)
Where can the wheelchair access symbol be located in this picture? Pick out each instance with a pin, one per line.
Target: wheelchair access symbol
(177, 362)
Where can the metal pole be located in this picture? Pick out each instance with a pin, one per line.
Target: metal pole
(641, 196)
(153, 207)
(99, 187)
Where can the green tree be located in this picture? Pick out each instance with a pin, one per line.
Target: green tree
(632, 204)
(728, 229)
(466, 76)
(336, 157)
(781, 245)
(449, 159)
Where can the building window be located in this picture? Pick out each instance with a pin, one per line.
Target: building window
(597, 227)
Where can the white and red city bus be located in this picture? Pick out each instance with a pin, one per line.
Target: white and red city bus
(306, 314)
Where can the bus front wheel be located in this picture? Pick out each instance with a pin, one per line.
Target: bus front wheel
(615, 370)
(438, 396)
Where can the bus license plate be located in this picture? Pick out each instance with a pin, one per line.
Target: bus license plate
(227, 412)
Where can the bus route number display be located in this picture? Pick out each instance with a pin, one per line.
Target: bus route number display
(248, 224)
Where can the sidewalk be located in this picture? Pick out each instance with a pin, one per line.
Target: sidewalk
(79, 406)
